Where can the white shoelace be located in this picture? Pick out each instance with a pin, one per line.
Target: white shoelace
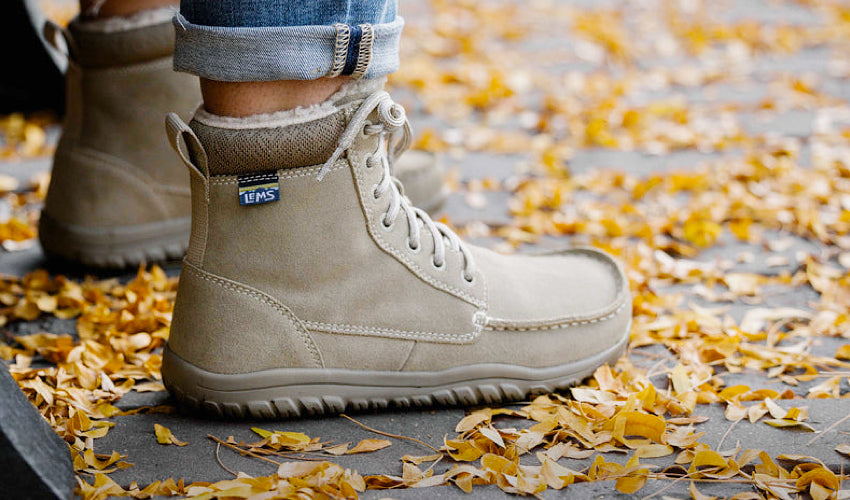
(392, 118)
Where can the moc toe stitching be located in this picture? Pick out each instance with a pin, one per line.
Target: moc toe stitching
(496, 324)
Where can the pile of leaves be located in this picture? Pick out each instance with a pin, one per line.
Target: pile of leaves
(469, 64)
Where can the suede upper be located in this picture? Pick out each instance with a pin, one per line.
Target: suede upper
(112, 166)
(364, 291)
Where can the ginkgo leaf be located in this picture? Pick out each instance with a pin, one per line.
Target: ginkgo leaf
(369, 445)
(164, 436)
(471, 421)
(783, 423)
(296, 469)
(695, 493)
(339, 449)
(631, 483)
(843, 448)
(492, 435)
(462, 451)
(653, 451)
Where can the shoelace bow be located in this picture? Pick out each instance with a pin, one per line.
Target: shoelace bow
(393, 118)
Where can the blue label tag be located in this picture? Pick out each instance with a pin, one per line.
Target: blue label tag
(255, 189)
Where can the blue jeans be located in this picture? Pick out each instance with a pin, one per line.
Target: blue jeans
(265, 40)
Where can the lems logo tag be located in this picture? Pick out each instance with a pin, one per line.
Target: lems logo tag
(255, 189)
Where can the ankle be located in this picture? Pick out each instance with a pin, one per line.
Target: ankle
(101, 9)
(241, 99)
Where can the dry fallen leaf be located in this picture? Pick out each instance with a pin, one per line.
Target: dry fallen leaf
(164, 436)
(369, 445)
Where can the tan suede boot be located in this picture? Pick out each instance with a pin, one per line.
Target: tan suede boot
(118, 196)
(312, 286)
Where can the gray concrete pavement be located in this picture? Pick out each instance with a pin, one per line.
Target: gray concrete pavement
(134, 435)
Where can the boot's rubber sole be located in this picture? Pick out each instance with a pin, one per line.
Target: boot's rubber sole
(298, 392)
(114, 247)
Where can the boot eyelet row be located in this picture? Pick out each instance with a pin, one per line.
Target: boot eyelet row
(370, 160)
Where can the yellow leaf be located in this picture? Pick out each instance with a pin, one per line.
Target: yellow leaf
(369, 445)
(297, 469)
(339, 449)
(633, 423)
(556, 476)
(843, 448)
(784, 423)
(679, 378)
(164, 436)
(700, 232)
(821, 476)
(463, 451)
(843, 352)
(653, 451)
(492, 435)
(633, 482)
(471, 421)
(706, 458)
(696, 495)
(732, 392)
(289, 440)
(420, 459)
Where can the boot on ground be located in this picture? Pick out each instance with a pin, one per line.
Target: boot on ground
(313, 286)
(118, 195)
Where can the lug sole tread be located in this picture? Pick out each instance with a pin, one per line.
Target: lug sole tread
(487, 393)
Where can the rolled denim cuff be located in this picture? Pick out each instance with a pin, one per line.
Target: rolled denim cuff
(286, 53)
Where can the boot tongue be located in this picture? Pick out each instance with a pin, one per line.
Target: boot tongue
(296, 138)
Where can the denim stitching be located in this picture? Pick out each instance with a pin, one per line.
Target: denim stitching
(364, 56)
(343, 35)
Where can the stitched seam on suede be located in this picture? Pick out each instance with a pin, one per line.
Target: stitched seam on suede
(282, 174)
(567, 324)
(103, 161)
(420, 273)
(172, 190)
(387, 332)
(112, 162)
(263, 298)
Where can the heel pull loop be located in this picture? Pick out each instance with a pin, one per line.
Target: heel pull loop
(187, 145)
(53, 33)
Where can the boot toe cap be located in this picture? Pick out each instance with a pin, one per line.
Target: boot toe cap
(528, 291)
(556, 308)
